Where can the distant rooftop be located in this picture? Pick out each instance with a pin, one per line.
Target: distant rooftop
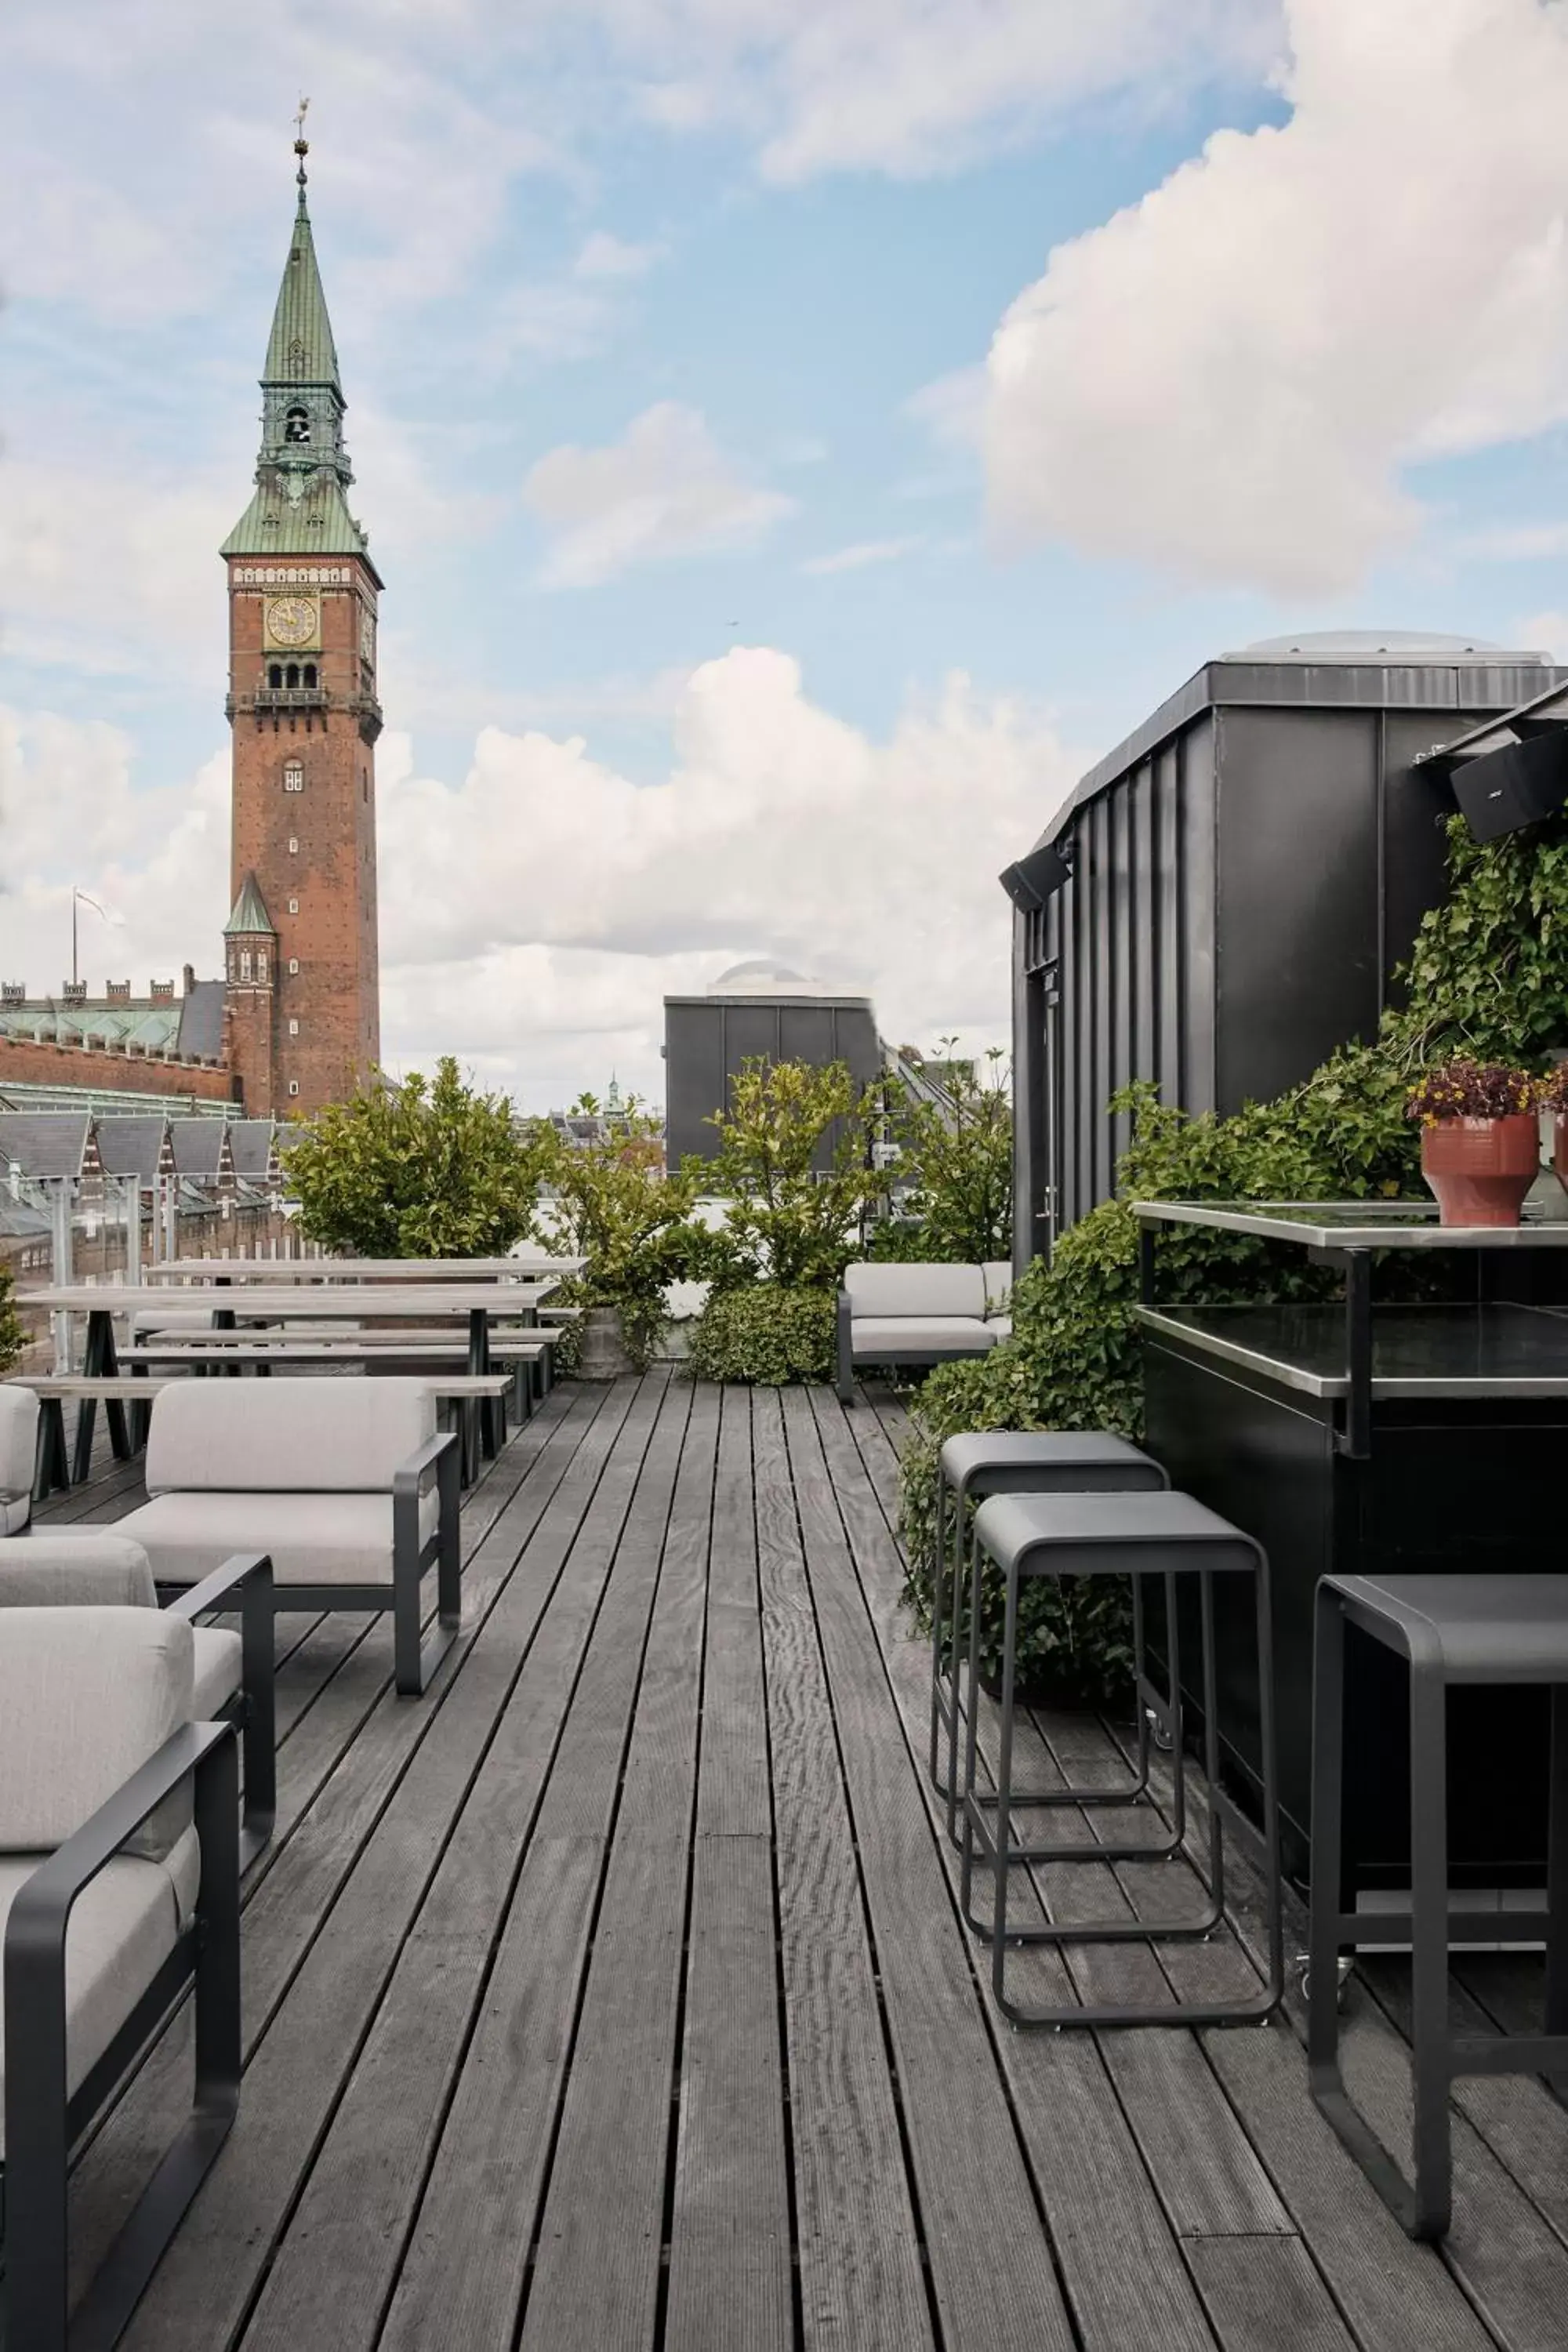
(1377, 646)
(762, 976)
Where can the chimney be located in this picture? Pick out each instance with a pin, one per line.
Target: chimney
(163, 992)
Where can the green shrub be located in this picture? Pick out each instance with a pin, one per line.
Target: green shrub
(765, 1334)
(612, 1204)
(791, 1219)
(12, 1336)
(425, 1169)
(1488, 976)
(954, 1167)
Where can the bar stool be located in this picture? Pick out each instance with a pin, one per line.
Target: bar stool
(1134, 1534)
(1034, 1462)
(1476, 1630)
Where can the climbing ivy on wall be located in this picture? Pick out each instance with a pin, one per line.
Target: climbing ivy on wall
(1487, 975)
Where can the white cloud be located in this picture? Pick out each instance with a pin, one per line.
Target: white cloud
(1544, 633)
(879, 85)
(665, 489)
(1230, 378)
(1519, 543)
(603, 256)
(862, 552)
(535, 913)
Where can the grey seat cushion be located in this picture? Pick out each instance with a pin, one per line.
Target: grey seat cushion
(312, 1538)
(913, 1289)
(220, 1664)
(936, 1335)
(122, 1929)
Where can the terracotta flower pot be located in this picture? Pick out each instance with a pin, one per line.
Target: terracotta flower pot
(1559, 1149)
(1481, 1168)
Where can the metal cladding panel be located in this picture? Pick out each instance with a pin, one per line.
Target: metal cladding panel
(751, 1033)
(1166, 973)
(1102, 984)
(1197, 812)
(807, 1033)
(694, 1081)
(1296, 967)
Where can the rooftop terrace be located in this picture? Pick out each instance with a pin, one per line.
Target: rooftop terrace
(613, 1993)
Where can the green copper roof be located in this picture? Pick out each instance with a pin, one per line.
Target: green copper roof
(301, 348)
(315, 522)
(302, 472)
(251, 915)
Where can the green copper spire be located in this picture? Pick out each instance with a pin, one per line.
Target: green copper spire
(302, 472)
(251, 919)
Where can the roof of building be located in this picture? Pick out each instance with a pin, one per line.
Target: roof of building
(252, 1141)
(250, 916)
(132, 1145)
(300, 349)
(199, 1146)
(201, 1021)
(66, 1020)
(315, 521)
(45, 1143)
(764, 976)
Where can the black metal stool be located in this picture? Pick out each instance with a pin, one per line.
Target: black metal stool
(1034, 1462)
(1449, 1630)
(1134, 1534)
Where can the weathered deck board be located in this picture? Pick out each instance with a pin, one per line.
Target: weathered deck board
(614, 1993)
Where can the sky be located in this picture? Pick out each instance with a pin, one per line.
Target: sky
(799, 437)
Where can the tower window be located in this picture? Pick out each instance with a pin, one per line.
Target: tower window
(245, 963)
(293, 775)
(309, 673)
(297, 425)
(293, 1028)
(294, 963)
(293, 1085)
(293, 906)
(261, 963)
(275, 673)
(293, 847)
(291, 675)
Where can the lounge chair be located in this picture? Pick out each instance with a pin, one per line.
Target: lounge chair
(118, 1886)
(345, 1485)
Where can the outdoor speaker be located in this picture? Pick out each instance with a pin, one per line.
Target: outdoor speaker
(1518, 785)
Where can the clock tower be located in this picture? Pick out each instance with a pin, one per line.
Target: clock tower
(302, 606)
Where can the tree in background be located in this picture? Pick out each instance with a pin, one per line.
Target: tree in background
(425, 1169)
(12, 1336)
(794, 1165)
(954, 1166)
(611, 1203)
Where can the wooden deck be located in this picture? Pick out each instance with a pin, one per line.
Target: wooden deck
(612, 1995)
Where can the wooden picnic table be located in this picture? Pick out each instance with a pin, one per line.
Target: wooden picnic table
(478, 1303)
(358, 1269)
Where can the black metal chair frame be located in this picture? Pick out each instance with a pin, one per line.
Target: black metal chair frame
(413, 1660)
(253, 1711)
(985, 1824)
(1162, 1708)
(43, 2121)
(1424, 2207)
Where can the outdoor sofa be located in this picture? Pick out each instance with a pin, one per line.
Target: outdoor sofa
(19, 1456)
(119, 1888)
(232, 1670)
(917, 1314)
(346, 1485)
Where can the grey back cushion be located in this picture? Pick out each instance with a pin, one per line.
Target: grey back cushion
(85, 1696)
(18, 1442)
(286, 1437)
(998, 1275)
(923, 1290)
(63, 1571)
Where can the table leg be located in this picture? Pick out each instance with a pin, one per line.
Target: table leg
(479, 1361)
(1556, 2017)
(99, 1362)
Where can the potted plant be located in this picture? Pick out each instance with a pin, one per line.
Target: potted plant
(1553, 1097)
(1480, 1138)
(612, 1204)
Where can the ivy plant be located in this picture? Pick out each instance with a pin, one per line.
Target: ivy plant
(1487, 977)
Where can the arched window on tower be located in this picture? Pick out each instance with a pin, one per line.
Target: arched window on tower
(275, 673)
(297, 425)
(291, 675)
(245, 963)
(293, 775)
(309, 673)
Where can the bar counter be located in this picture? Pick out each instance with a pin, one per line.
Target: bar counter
(1368, 1438)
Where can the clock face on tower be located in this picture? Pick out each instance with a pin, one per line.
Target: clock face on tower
(294, 621)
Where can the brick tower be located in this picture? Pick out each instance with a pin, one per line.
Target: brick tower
(301, 973)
